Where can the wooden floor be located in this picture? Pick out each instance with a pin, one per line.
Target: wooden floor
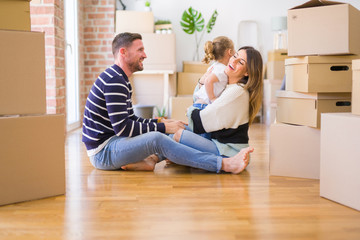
(176, 202)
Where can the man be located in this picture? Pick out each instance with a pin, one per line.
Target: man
(108, 110)
(117, 139)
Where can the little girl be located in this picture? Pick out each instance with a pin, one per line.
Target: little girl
(214, 81)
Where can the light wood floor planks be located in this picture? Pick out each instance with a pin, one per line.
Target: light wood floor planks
(176, 202)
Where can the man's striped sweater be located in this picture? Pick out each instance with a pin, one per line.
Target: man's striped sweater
(108, 111)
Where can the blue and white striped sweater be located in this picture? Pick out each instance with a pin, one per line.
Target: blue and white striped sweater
(108, 111)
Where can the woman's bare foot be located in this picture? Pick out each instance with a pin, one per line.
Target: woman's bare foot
(148, 164)
(237, 163)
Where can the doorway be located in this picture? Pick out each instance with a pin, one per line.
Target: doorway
(72, 65)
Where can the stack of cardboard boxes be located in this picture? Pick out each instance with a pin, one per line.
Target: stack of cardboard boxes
(186, 83)
(157, 82)
(32, 153)
(275, 72)
(318, 80)
(340, 152)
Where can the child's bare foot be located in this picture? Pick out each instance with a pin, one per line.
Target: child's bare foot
(237, 163)
(148, 164)
(168, 162)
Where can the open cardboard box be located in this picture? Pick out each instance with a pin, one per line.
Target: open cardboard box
(312, 74)
(306, 108)
(323, 28)
(356, 87)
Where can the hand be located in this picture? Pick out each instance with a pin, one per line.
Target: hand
(201, 101)
(173, 126)
(165, 120)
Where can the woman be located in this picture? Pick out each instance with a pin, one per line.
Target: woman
(229, 116)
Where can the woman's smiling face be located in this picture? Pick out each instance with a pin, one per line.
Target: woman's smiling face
(237, 66)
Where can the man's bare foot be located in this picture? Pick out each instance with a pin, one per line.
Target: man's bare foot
(237, 163)
(148, 164)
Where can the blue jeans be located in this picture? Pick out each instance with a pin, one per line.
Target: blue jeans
(201, 107)
(120, 151)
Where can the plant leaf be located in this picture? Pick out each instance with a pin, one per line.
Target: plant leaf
(211, 22)
(192, 20)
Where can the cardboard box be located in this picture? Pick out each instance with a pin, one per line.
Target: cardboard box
(355, 109)
(340, 158)
(305, 108)
(15, 15)
(271, 86)
(275, 70)
(134, 21)
(323, 28)
(195, 67)
(22, 77)
(277, 55)
(319, 74)
(32, 157)
(153, 88)
(294, 151)
(179, 105)
(186, 82)
(160, 50)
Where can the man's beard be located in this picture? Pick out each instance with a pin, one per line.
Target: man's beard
(135, 66)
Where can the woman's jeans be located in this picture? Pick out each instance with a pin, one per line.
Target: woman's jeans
(194, 151)
(201, 107)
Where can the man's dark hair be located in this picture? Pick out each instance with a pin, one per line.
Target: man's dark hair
(124, 40)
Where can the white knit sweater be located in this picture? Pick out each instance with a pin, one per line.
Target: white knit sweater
(226, 118)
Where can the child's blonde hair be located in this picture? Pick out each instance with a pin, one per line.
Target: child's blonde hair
(215, 50)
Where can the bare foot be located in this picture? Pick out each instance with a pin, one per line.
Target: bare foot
(148, 164)
(168, 161)
(237, 163)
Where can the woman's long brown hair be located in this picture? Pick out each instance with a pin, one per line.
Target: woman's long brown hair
(253, 82)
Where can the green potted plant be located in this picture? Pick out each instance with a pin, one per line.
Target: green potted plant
(147, 5)
(163, 25)
(161, 112)
(192, 22)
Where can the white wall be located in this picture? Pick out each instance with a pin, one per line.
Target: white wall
(231, 12)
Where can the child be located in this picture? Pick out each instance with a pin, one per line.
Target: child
(214, 81)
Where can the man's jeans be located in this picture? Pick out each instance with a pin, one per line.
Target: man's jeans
(195, 151)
